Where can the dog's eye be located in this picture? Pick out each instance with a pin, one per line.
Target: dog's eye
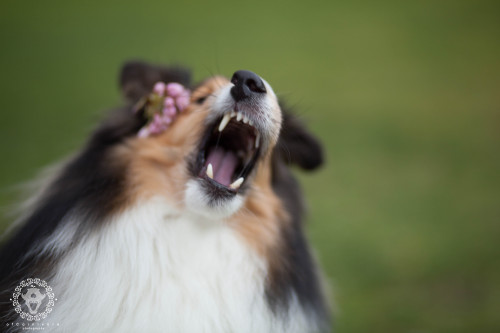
(201, 100)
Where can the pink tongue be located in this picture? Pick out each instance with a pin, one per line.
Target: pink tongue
(223, 164)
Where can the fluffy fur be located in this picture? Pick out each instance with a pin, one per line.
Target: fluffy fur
(133, 235)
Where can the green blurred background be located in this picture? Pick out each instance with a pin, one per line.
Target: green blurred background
(405, 216)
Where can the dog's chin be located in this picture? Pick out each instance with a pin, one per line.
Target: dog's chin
(211, 202)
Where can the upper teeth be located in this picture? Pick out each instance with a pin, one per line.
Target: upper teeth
(225, 120)
(239, 117)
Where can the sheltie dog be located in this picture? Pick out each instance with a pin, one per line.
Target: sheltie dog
(198, 228)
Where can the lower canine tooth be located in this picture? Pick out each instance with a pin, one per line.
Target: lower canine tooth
(257, 141)
(210, 171)
(224, 121)
(237, 183)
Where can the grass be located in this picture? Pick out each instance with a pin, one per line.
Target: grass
(405, 96)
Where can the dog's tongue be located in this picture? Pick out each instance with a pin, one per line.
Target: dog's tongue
(223, 163)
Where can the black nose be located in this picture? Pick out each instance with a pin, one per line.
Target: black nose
(246, 84)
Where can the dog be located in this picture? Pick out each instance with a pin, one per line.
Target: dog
(197, 228)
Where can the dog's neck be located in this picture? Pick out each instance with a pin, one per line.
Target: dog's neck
(185, 271)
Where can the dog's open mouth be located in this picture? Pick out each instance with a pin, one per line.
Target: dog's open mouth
(229, 151)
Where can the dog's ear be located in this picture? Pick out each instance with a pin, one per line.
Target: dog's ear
(137, 78)
(297, 145)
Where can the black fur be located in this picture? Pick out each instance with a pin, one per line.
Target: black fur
(296, 145)
(298, 273)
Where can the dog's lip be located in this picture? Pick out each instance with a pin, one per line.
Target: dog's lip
(218, 186)
(240, 116)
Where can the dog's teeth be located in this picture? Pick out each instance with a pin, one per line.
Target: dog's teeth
(257, 141)
(239, 116)
(250, 122)
(224, 121)
(233, 114)
(237, 183)
(245, 119)
(210, 171)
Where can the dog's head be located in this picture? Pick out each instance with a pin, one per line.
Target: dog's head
(224, 147)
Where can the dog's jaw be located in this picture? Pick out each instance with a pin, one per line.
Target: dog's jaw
(230, 127)
(200, 202)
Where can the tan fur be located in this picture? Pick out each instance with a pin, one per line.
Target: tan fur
(156, 165)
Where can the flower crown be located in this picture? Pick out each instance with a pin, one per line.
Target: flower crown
(161, 107)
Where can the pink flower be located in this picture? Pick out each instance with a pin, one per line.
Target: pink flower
(174, 89)
(169, 101)
(182, 102)
(157, 125)
(167, 119)
(144, 132)
(176, 100)
(159, 88)
(169, 111)
(169, 107)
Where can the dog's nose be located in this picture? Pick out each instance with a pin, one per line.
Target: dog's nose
(246, 84)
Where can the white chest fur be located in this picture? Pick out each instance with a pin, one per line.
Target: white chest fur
(153, 269)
